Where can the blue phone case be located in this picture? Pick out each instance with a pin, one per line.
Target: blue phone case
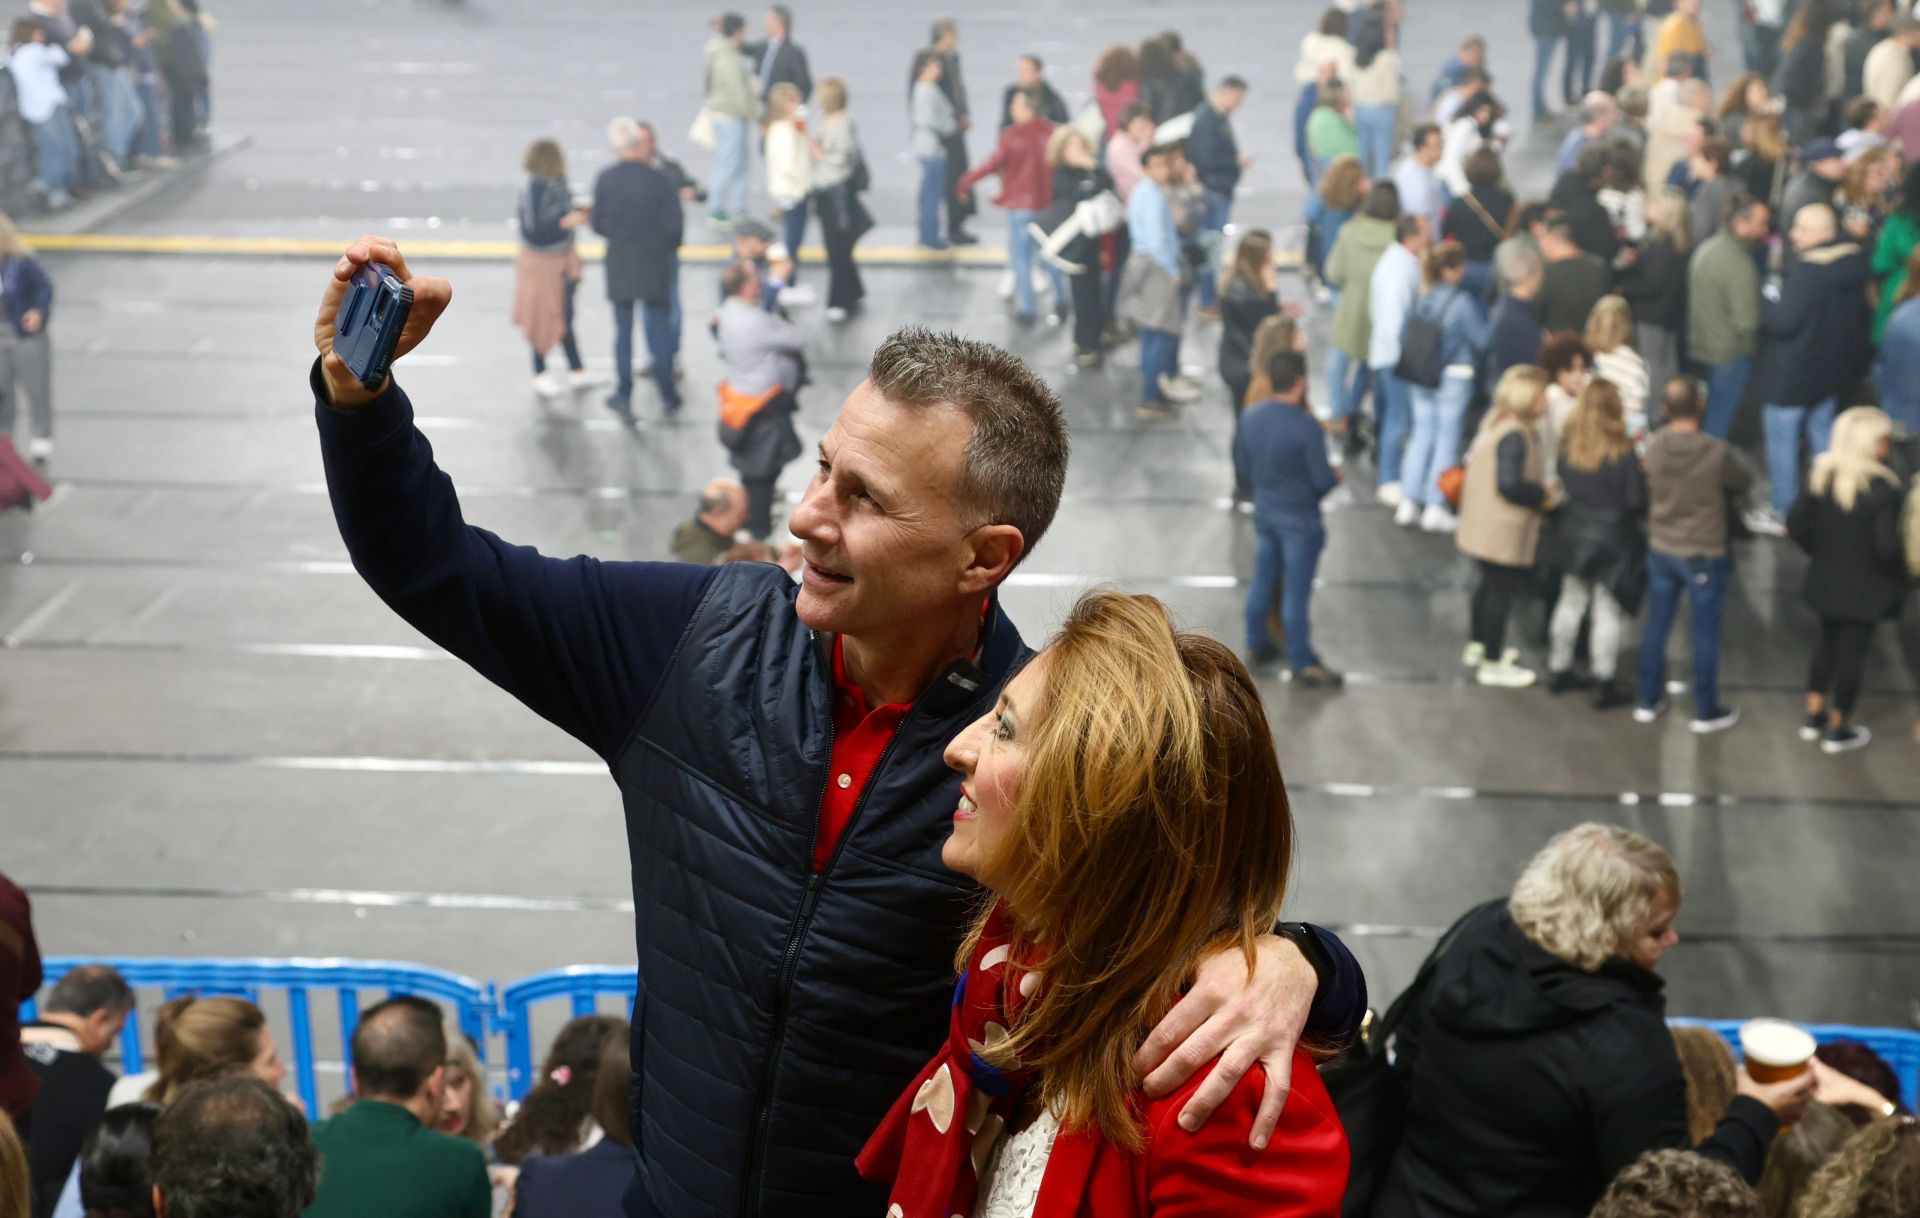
(369, 323)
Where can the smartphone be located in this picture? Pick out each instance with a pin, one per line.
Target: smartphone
(369, 323)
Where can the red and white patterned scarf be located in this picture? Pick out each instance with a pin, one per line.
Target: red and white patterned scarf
(938, 1136)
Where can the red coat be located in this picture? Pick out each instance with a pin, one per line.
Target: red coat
(19, 980)
(1020, 158)
(1211, 1172)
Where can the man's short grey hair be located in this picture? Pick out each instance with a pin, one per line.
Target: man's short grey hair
(1015, 463)
(1596, 106)
(1515, 263)
(623, 133)
(1589, 890)
(90, 988)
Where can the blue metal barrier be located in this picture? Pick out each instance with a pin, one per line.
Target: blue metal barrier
(581, 985)
(1897, 1047)
(472, 1001)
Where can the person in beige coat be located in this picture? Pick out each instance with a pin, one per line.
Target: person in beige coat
(1501, 509)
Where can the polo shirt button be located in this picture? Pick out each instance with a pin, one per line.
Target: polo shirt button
(846, 780)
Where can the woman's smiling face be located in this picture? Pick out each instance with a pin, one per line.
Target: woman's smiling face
(990, 754)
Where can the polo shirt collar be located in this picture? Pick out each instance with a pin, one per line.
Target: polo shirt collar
(999, 651)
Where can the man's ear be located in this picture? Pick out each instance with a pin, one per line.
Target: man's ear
(996, 548)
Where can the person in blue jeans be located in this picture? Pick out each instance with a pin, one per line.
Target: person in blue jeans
(1694, 480)
(637, 208)
(1281, 453)
(1439, 411)
(1216, 159)
(1547, 22)
(934, 120)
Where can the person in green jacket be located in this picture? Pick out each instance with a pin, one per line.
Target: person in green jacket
(1350, 272)
(382, 1158)
(732, 97)
(1330, 129)
(1723, 311)
(1898, 237)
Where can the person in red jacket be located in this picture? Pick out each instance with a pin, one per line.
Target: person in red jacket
(1026, 191)
(1123, 804)
(19, 981)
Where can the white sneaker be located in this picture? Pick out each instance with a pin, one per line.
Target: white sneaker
(1388, 495)
(1719, 723)
(586, 378)
(836, 313)
(1191, 373)
(1647, 714)
(547, 385)
(1006, 285)
(798, 296)
(1176, 390)
(1766, 522)
(40, 448)
(1438, 519)
(1407, 514)
(1503, 674)
(1322, 294)
(1474, 656)
(1845, 740)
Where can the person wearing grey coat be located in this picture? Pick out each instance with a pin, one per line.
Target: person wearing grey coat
(765, 362)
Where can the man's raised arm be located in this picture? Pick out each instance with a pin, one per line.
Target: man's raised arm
(581, 642)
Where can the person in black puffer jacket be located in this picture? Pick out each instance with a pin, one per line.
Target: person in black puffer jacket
(1597, 541)
(1655, 285)
(1848, 522)
(1537, 1055)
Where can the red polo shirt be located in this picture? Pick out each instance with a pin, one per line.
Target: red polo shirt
(860, 734)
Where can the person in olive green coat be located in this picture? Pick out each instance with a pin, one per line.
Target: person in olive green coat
(382, 1158)
(1350, 272)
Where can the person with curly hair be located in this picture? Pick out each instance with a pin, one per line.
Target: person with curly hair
(235, 1146)
(1876, 1175)
(556, 1116)
(1678, 1184)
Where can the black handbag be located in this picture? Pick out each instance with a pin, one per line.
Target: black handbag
(861, 179)
(1423, 357)
(1371, 1096)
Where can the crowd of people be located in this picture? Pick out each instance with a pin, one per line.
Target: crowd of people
(92, 90)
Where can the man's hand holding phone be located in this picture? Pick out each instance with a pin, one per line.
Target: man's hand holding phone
(431, 296)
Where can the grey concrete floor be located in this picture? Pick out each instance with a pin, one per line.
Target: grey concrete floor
(214, 740)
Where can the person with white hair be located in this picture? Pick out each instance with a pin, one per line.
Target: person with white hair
(636, 207)
(1848, 522)
(1535, 1049)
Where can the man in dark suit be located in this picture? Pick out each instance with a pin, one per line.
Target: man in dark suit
(778, 58)
(1031, 76)
(636, 207)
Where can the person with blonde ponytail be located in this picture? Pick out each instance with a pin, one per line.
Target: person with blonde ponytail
(1123, 804)
(1848, 522)
(208, 1038)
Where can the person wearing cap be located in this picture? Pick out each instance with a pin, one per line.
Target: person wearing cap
(753, 241)
(1822, 165)
(1889, 64)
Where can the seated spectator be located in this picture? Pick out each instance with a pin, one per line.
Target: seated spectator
(1678, 1184)
(763, 356)
(1875, 1175)
(1712, 1075)
(207, 1038)
(722, 513)
(1281, 454)
(467, 1109)
(1575, 279)
(78, 1024)
(1538, 1056)
(234, 1148)
(554, 1117)
(590, 1183)
(1839, 1062)
(384, 1157)
(1796, 1155)
(112, 1178)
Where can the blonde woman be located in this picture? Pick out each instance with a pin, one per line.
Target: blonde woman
(1848, 522)
(1875, 1175)
(547, 270)
(1599, 544)
(1501, 507)
(837, 172)
(26, 356)
(206, 1038)
(467, 1109)
(1278, 333)
(1609, 338)
(790, 157)
(1537, 1050)
(1655, 289)
(1125, 808)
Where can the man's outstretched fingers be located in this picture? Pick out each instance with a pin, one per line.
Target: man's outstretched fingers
(1273, 1099)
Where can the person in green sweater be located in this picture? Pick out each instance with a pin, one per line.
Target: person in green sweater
(382, 1158)
(1350, 272)
(1330, 129)
(1723, 310)
(1898, 237)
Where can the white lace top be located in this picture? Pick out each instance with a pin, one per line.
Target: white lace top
(1012, 1183)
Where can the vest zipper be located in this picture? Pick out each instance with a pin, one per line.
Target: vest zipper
(783, 985)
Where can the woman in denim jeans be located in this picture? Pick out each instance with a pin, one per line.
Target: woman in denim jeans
(1438, 412)
(933, 121)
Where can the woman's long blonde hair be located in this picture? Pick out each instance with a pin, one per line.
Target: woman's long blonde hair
(204, 1038)
(1609, 325)
(16, 1183)
(1596, 431)
(1851, 464)
(1516, 395)
(11, 245)
(1875, 1175)
(482, 1117)
(782, 100)
(1274, 335)
(1151, 829)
